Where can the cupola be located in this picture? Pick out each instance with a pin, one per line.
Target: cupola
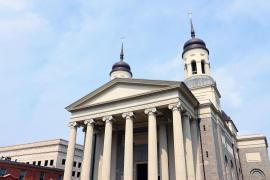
(121, 69)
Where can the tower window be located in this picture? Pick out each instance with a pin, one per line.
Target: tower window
(203, 66)
(194, 67)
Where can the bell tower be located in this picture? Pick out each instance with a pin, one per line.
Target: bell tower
(197, 70)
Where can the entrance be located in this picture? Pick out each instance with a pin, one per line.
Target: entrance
(142, 171)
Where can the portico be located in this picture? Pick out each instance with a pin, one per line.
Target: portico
(130, 119)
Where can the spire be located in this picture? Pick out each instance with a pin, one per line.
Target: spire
(191, 25)
(122, 53)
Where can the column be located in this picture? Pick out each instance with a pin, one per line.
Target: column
(163, 150)
(70, 151)
(179, 151)
(196, 147)
(87, 153)
(199, 67)
(106, 165)
(152, 144)
(128, 156)
(188, 147)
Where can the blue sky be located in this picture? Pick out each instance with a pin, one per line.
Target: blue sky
(52, 52)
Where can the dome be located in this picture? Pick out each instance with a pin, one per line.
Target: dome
(194, 43)
(121, 66)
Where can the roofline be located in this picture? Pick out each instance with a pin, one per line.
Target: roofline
(252, 137)
(37, 142)
(30, 165)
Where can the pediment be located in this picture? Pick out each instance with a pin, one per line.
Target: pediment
(120, 89)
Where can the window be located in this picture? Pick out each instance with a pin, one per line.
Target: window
(194, 67)
(39, 163)
(59, 177)
(34, 162)
(46, 163)
(22, 175)
(27, 163)
(78, 174)
(207, 154)
(74, 164)
(63, 161)
(3, 171)
(51, 162)
(204, 128)
(73, 173)
(79, 165)
(203, 66)
(42, 176)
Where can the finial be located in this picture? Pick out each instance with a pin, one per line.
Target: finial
(122, 50)
(122, 53)
(191, 25)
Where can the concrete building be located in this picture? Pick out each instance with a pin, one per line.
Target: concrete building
(51, 153)
(22, 171)
(138, 129)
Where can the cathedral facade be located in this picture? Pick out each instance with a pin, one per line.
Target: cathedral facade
(140, 129)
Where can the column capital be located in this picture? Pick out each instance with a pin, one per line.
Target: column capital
(73, 124)
(176, 106)
(89, 122)
(150, 111)
(128, 115)
(107, 119)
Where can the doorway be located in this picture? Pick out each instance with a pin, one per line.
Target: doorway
(141, 171)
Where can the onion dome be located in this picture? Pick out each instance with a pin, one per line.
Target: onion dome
(121, 65)
(194, 42)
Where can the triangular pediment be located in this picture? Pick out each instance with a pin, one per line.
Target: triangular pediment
(120, 89)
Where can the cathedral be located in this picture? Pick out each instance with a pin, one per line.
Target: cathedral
(141, 129)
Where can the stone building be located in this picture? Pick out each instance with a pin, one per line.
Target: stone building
(138, 129)
(50, 153)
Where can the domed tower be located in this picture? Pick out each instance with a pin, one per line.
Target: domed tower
(121, 69)
(197, 70)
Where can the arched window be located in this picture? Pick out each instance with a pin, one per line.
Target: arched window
(257, 174)
(194, 67)
(203, 66)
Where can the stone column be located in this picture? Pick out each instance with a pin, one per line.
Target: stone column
(106, 165)
(70, 151)
(199, 67)
(163, 150)
(152, 144)
(179, 151)
(196, 147)
(188, 147)
(87, 153)
(128, 156)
